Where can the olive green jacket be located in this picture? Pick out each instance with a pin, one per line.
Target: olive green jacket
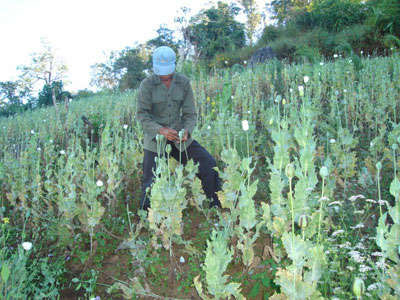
(158, 106)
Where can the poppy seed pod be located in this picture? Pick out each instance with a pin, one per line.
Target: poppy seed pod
(289, 171)
(303, 222)
(358, 287)
(168, 149)
(324, 172)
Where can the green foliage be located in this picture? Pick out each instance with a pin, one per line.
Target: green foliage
(333, 15)
(128, 68)
(332, 133)
(46, 94)
(388, 237)
(237, 57)
(122, 70)
(83, 94)
(385, 16)
(165, 38)
(215, 30)
(218, 257)
(12, 96)
(87, 282)
(168, 199)
(26, 273)
(329, 26)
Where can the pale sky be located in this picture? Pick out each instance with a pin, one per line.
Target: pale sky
(82, 32)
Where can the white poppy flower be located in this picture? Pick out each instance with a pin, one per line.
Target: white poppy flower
(301, 90)
(306, 79)
(27, 246)
(62, 152)
(125, 126)
(99, 183)
(182, 260)
(245, 125)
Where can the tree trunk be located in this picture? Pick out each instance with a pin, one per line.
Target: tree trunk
(53, 97)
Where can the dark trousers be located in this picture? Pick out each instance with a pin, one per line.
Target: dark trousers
(209, 177)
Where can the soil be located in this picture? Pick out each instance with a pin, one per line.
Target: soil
(118, 265)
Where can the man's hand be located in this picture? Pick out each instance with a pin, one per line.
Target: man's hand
(169, 133)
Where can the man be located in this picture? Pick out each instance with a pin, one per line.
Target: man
(165, 106)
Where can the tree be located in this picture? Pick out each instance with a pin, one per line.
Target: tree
(122, 70)
(103, 75)
(50, 92)
(83, 94)
(129, 67)
(165, 37)
(283, 9)
(385, 17)
(183, 23)
(46, 66)
(253, 18)
(215, 30)
(12, 97)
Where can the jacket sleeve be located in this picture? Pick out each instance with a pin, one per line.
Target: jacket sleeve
(189, 116)
(143, 111)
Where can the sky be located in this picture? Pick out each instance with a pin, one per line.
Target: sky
(82, 32)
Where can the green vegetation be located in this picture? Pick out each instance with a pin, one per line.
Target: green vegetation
(307, 146)
(213, 38)
(309, 157)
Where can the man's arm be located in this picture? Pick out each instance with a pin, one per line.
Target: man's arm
(189, 116)
(143, 111)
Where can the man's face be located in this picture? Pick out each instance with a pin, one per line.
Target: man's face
(165, 78)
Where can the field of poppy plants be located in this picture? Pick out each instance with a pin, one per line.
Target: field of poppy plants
(308, 156)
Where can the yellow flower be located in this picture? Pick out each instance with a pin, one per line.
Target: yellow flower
(6, 220)
(284, 101)
(271, 121)
(208, 98)
(213, 103)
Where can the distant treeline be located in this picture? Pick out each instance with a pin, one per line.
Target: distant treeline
(303, 31)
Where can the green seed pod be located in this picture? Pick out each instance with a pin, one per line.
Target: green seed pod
(289, 171)
(379, 165)
(358, 287)
(395, 146)
(303, 221)
(324, 172)
(168, 148)
(181, 132)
